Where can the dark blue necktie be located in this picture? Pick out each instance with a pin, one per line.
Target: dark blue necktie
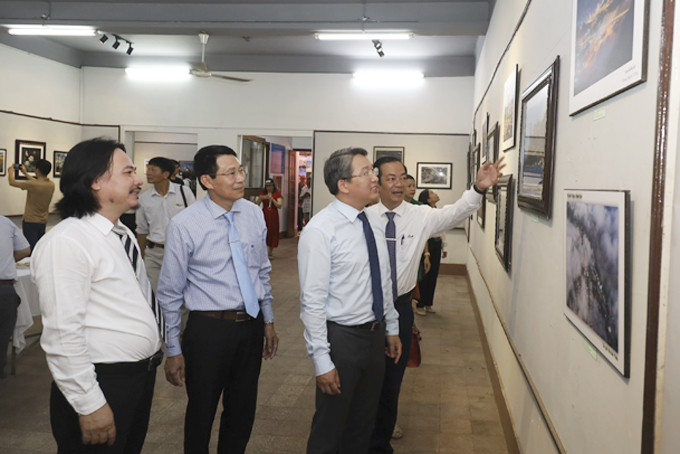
(376, 286)
(391, 236)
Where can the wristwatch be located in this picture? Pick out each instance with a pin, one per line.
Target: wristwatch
(479, 191)
(269, 322)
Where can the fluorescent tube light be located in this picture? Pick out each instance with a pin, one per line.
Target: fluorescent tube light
(158, 73)
(388, 76)
(51, 30)
(363, 36)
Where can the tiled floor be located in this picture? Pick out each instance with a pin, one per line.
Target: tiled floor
(447, 404)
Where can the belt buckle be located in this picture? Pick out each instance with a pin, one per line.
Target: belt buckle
(374, 325)
(242, 317)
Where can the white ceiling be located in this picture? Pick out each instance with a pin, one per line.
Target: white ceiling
(258, 35)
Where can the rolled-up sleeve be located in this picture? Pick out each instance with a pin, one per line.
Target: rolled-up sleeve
(314, 265)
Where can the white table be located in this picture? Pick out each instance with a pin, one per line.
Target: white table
(29, 307)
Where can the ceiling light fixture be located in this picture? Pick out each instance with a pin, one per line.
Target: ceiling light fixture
(158, 73)
(117, 43)
(362, 35)
(50, 30)
(130, 49)
(388, 76)
(103, 39)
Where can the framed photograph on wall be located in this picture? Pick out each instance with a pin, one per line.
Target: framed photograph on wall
(608, 50)
(3, 162)
(277, 157)
(537, 143)
(28, 153)
(492, 145)
(598, 271)
(485, 133)
(393, 152)
(503, 236)
(510, 94)
(58, 162)
(433, 175)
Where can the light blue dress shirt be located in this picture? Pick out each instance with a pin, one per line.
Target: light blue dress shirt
(198, 271)
(335, 277)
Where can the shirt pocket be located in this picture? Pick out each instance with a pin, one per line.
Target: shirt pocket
(405, 248)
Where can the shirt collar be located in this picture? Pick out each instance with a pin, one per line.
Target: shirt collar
(171, 189)
(216, 211)
(101, 223)
(348, 211)
(400, 210)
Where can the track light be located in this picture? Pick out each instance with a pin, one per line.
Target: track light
(378, 48)
(130, 49)
(116, 44)
(103, 39)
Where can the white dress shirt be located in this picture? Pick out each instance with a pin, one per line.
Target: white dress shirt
(415, 224)
(335, 277)
(11, 240)
(93, 309)
(155, 211)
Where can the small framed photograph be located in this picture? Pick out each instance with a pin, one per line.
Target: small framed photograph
(3, 162)
(474, 167)
(58, 162)
(608, 50)
(510, 94)
(537, 146)
(481, 214)
(277, 157)
(485, 134)
(598, 271)
(503, 236)
(28, 153)
(434, 175)
(492, 145)
(392, 152)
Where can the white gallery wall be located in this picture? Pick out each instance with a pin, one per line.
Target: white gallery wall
(593, 408)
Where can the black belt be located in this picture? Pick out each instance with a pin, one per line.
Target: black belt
(371, 326)
(6, 281)
(145, 365)
(405, 298)
(151, 245)
(235, 316)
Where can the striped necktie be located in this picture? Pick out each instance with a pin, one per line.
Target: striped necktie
(391, 236)
(132, 251)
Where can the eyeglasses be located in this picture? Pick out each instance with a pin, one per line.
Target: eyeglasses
(373, 172)
(231, 175)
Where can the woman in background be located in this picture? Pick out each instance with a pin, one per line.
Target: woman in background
(271, 200)
(431, 260)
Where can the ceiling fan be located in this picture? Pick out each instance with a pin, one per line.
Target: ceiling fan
(201, 69)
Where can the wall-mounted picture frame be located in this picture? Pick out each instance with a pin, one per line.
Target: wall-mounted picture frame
(392, 152)
(537, 143)
(433, 175)
(277, 158)
(28, 153)
(608, 50)
(3, 162)
(509, 122)
(474, 167)
(58, 158)
(492, 145)
(485, 133)
(504, 209)
(481, 214)
(598, 271)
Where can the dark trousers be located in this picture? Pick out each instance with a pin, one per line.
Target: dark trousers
(222, 357)
(343, 423)
(33, 231)
(429, 281)
(394, 374)
(128, 393)
(9, 302)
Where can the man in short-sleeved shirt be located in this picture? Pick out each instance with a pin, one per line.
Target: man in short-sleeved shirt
(13, 247)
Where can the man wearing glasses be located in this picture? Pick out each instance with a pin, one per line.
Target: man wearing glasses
(216, 265)
(346, 306)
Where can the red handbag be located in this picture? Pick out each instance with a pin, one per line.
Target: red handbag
(414, 355)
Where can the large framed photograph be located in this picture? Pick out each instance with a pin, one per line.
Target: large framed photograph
(492, 145)
(608, 50)
(277, 155)
(433, 175)
(503, 236)
(58, 162)
(537, 143)
(392, 152)
(597, 254)
(28, 153)
(3, 162)
(510, 94)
